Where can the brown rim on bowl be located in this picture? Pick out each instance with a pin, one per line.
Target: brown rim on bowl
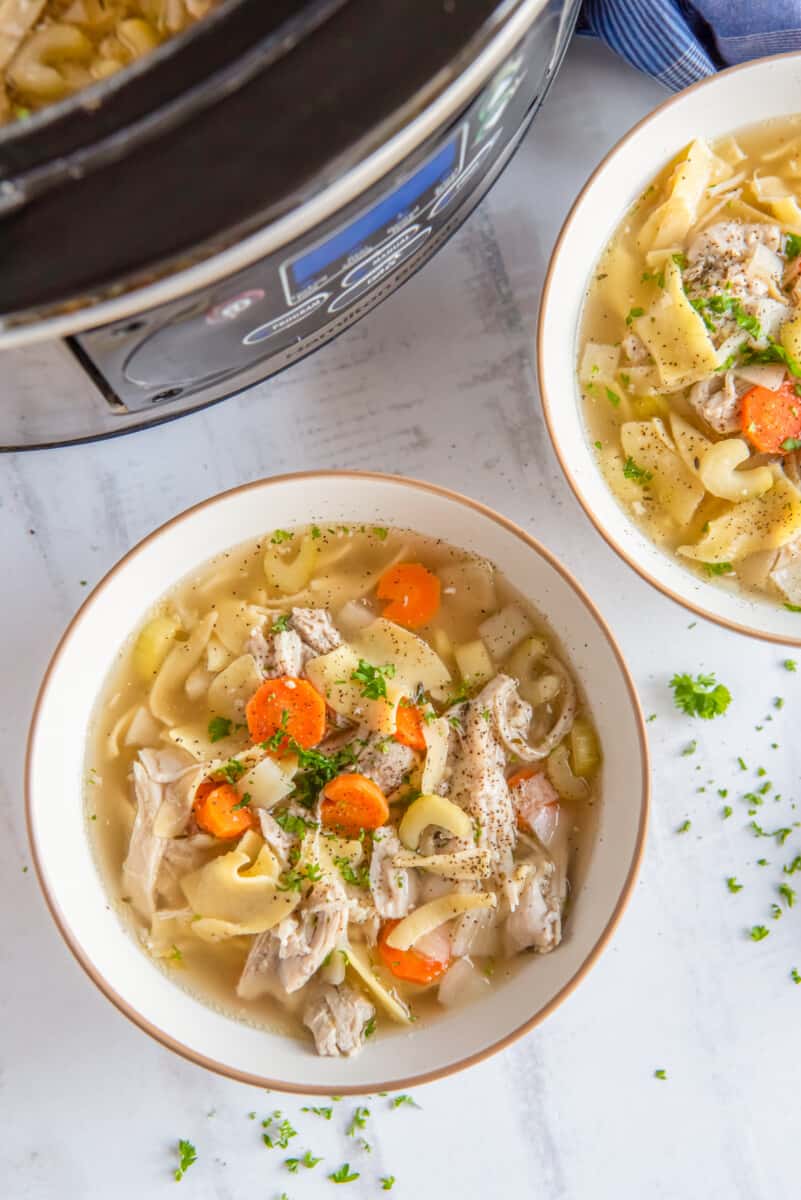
(426, 1077)
(611, 541)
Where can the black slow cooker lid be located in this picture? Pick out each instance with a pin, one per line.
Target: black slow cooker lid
(215, 135)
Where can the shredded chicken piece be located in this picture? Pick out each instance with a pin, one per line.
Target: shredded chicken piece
(310, 934)
(730, 257)
(717, 401)
(536, 801)
(337, 1017)
(281, 653)
(180, 856)
(479, 779)
(392, 886)
(386, 762)
(786, 572)
(536, 921)
(145, 850)
(279, 841)
(317, 629)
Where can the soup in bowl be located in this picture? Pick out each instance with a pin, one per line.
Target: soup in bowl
(686, 348)
(344, 791)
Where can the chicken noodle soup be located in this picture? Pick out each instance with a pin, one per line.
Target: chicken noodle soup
(51, 48)
(340, 778)
(690, 360)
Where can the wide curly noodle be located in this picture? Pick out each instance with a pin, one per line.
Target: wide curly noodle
(52, 48)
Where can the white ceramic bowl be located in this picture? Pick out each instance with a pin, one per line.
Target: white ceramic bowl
(721, 104)
(64, 860)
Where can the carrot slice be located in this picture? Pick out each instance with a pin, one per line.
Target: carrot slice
(217, 810)
(287, 704)
(413, 594)
(769, 419)
(409, 726)
(409, 965)
(351, 803)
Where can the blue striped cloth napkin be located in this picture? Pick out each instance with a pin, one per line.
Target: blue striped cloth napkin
(678, 41)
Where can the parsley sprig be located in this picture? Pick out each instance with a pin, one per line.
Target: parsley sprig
(187, 1155)
(700, 697)
(373, 680)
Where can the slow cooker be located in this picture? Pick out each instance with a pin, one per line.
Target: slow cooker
(245, 193)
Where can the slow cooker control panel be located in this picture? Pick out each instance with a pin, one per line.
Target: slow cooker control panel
(254, 323)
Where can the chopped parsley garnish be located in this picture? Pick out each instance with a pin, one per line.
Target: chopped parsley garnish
(598, 445)
(727, 811)
(187, 1155)
(758, 932)
(795, 865)
(790, 664)
(795, 976)
(397, 1101)
(733, 885)
(741, 764)
(316, 531)
(638, 474)
(373, 679)
(653, 277)
(293, 880)
(280, 1137)
(316, 769)
(721, 568)
(387, 1182)
(243, 803)
(792, 247)
(726, 306)
(233, 770)
(280, 624)
(612, 397)
(369, 1028)
(291, 823)
(791, 443)
(689, 749)
(778, 702)
(787, 892)
(325, 1113)
(792, 607)
(660, 1073)
(280, 536)
(219, 728)
(343, 1174)
(700, 697)
(358, 876)
(358, 1121)
(775, 911)
(684, 827)
(276, 740)
(773, 352)
(680, 260)
(633, 313)
(381, 532)
(308, 1161)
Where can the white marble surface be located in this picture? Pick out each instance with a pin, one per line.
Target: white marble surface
(439, 383)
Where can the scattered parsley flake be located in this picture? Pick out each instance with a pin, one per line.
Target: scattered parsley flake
(612, 397)
(325, 1113)
(633, 313)
(733, 885)
(380, 532)
(632, 471)
(397, 1101)
(343, 1174)
(787, 892)
(727, 811)
(218, 728)
(684, 827)
(373, 679)
(792, 246)
(790, 664)
(358, 1121)
(792, 867)
(741, 764)
(689, 749)
(187, 1155)
(700, 697)
(795, 976)
(775, 911)
(792, 607)
(280, 624)
(387, 1182)
(280, 536)
(660, 1073)
(718, 568)
(279, 1138)
(758, 932)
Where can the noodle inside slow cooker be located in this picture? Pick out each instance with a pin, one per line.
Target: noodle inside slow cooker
(52, 48)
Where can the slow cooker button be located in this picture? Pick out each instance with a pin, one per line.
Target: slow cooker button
(292, 316)
(453, 189)
(233, 308)
(366, 266)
